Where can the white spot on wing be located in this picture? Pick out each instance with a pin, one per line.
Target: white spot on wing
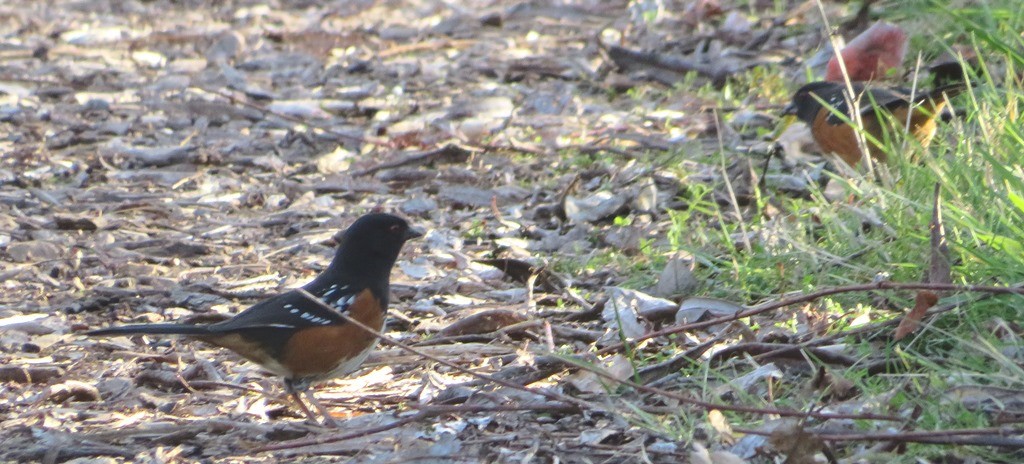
(344, 302)
(315, 319)
(333, 288)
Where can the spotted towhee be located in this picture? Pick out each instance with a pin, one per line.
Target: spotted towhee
(300, 339)
(882, 109)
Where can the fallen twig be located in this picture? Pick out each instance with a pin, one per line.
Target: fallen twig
(626, 58)
(235, 99)
(706, 405)
(779, 350)
(865, 329)
(475, 408)
(289, 445)
(451, 151)
(814, 296)
(30, 374)
(996, 436)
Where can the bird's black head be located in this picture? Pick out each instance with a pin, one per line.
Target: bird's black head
(807, 101)
(378, 237)
(367, 251)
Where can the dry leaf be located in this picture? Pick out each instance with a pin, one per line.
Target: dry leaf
(594, 207)
(521, 271)
(645, 196)
(699, 11)
(700, 454)
(741, 177)
(617, 366)
(922, 302)
(72, 390)
(677, 278)
(484, 322)
(595, 437)
(625, 307)
(747, 382)
(34, 250)
(695, 309)
(832, 385)
(721, 425)
(725, 457)
(799, 446)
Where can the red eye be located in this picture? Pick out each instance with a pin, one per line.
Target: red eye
(394, 228)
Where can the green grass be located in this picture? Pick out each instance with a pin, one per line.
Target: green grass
(870, 228)
(814, 243)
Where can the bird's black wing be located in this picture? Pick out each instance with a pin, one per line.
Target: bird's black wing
(871, 98)
(289, 310)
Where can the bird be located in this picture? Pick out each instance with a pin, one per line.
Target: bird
(824, 106)
(305, 341)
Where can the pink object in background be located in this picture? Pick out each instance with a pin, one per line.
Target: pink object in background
(871, 54)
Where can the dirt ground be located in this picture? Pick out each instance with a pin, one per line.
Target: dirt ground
(167, 159)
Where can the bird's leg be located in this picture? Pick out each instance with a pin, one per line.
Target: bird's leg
(328, 418)
(295, 388)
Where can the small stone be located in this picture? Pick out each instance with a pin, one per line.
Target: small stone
(334, 162)
(677, 278)
(418, 206)
(34, 250)
(226, 48)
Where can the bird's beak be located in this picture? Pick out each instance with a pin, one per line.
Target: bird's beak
(413, 232)
(787, 118)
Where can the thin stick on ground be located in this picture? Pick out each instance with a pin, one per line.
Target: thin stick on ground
(993, 436)
(709, 406)
(865, 329)
(1017, 289)
(287, 117)
(295, 444)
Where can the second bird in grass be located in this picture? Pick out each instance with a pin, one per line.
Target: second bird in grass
(306, 341)
(825, 107)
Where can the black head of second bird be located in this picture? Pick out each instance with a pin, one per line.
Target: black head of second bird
(807, 100)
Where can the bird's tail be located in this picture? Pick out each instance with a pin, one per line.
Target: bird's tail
(951, 90)
(951, 75)
(934, 102)
(151, 329)
(953, 70)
